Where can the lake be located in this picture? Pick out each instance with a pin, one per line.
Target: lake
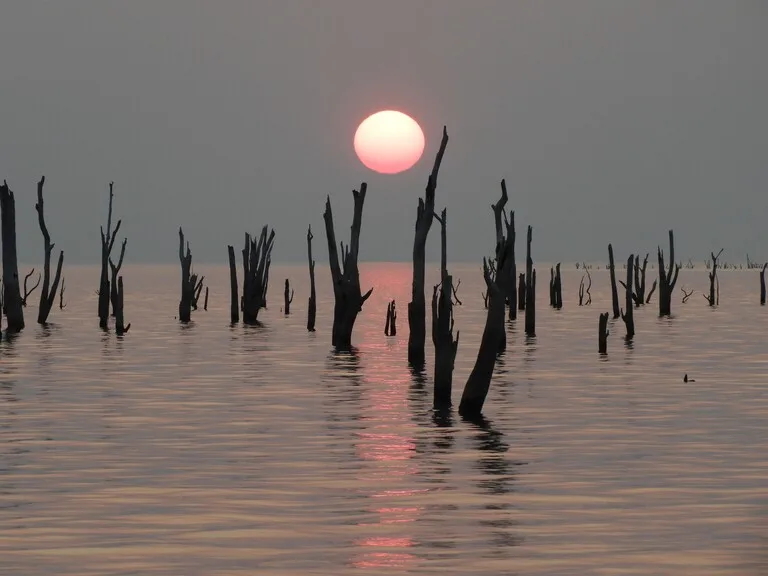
(212, 449)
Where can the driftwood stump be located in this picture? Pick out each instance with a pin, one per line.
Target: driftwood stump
(390, 326)
(12, 300)
(602, 334)
(627, 314)
(312, 305)
(442, 325)
(762, 284)
(120, 327)
(114, 273)
(49, 291)
(287, 297)
(520, 292)
(667, 278)
(348, 299)
(257, 258)
(530, 289)
(714, 284)
(190, 285)
(614, 288)
(558, 288)
(417, 330)
(234, 310)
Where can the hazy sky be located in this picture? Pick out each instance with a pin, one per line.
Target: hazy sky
(610, 120)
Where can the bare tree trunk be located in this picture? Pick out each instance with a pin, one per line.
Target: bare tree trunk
(442, 326)
(530, 289)
(520, 293)
(614, 289)
(48, 292)
(713, 297)
(627, 315)
(312, 308)
(14, 309)
(392, 319)
(107, 242)
(558, 288)
(187, 283)
(551, 286)
(498, 212)
(762, 285)
(417, 331)
(205, 304)
(667, 278)
(120, 327)
(115, 271)
(287, 297)
(234, 311)
(602, 334)
(348, 300)
(257, 258)
(389, 318)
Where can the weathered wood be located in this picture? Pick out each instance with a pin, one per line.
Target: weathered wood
(614, 288)
(234, 311)
(627, 314)
(348, 299)
(442, 325)
(120, 327)
(602, 334)
(713, 298)
(762, 284)
(257, 259)
(287, 297)
(558, 285)
(187, 281)
(48, 291)
(312, 305)
(12, 304)
(667, 278)
(417, 330)
(107, 243)
(530, 289)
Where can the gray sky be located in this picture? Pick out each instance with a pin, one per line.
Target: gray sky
(610, 120)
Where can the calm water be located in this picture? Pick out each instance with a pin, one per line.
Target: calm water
(219, 450)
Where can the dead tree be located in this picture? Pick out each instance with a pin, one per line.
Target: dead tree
(12, 300)
(188, 280)
(287, 297)
(614, 289)
(348, 299)
(479, 381)
(686, 295)
(62, 305)
(653, 289)
(627, 314)
(205, 304)
(107, 242)
(551, 287)
(29, 291)
(509, 225)
(558, 288)
(234, 311)
(442, 325)
(714, 296)
(114, 273)
(48, 292)
(520, 292)
(762, 284)
(667, 278)
(312, 306)
(390, 328)
(257, 258)
(417, 306)
(602, 334)
(120, 327)
(485, 299)
(640, 280)
(582, 291)
(198, 284)
(530, 289)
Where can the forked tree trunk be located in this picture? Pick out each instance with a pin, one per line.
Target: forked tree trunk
(667, 278)
(348, 300)
(498, 212)
(713, 297)
(12, 300)
(417, 331)
(614, 289)
(530, 289)
(312, 306)
(442, 326)
(627, 314)
(234, 310)
(48, 292)
(602, 334)
(107, 243)
(257, 258)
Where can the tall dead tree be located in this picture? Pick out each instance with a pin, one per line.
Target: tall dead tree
(602, 334)
(48, 292)
(190, 289)
(417, 330)
(257, 258)
(501, 235)
(530, 289)
(348, 299)
(614, 288)
(312, 306)
(714, 295)
(520, 292)
(12, 300)
(762, 284)
(479, 381)
(442, 325)
(234, 310)
(107, 242)
(558, 288)
(287, 297)
(627, 314)
(667, 278)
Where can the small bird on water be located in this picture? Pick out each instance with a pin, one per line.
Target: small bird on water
(685, 379)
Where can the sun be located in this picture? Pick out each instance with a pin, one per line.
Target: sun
(389, 142)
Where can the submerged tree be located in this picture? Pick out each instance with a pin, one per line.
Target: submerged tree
(530, 289)
(417, 330)
(234, 311)
(390, 326)
(442, 325)
(287, 297)
(257, 258)
(120, 327)
(48, 292)
(107, 243)
(627, 314)
(714, 284)
(602, 333)
(190, 285)
(614, 289)
(762, 284)
(348, 299)
(667, 278)
(509, 228)
(12, 300)
(312, 307)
